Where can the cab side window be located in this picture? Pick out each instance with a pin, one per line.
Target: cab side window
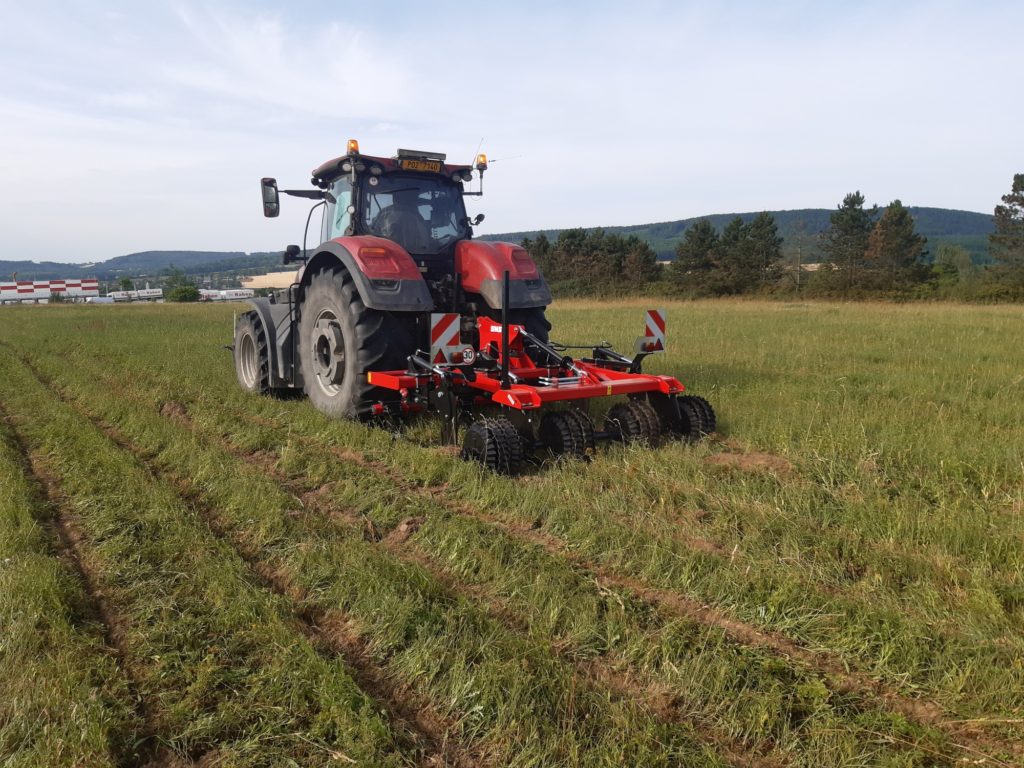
(339, 218)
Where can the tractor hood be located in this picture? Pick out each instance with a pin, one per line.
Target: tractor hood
(482, 265)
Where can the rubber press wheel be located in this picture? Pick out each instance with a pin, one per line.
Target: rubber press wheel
(635, 421)
(708, 421)
(341, 340)
(567, 434)
(495, 443)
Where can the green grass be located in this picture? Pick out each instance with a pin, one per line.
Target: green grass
(892, 547)
(65, 702)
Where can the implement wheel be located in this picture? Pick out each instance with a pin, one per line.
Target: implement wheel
(567, 434)
(341, 340)
(495, 443)
(635, 421)
(708, 421)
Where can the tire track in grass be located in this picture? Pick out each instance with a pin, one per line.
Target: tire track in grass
(159, 588)
(624, 683)
(49, 513)
(743, 633)
(974, 742)
(329, 631)
(330, 628)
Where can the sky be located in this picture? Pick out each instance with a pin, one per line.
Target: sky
(129, 126)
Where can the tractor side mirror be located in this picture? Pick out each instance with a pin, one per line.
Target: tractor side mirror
(291, 254)
(271, 201)
(477, 219)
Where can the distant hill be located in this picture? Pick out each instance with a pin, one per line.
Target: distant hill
(145, 264)
(801, 228)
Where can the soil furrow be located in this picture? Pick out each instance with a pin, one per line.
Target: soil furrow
(973, 741)
(626, 684)
(331, 632)
(69, 545)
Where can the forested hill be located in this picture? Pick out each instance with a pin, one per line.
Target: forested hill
(800, 228)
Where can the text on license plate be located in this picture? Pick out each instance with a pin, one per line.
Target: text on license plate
(421, 165)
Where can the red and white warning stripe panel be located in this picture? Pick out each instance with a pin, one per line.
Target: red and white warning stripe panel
(445, 346)
(653, 339)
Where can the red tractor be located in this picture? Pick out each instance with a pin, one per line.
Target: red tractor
(399, 311)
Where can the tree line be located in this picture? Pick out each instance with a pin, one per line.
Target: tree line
(866, 252)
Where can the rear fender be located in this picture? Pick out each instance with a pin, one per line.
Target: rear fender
(278, 326)
(384, 274)
(482, 266)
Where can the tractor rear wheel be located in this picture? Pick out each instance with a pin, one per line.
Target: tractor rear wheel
(341, 340)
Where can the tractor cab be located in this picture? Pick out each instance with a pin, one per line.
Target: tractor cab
(414, 199)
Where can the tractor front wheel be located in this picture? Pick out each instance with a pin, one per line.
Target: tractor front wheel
(252, 357)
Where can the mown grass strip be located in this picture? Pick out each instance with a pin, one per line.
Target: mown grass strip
(65, 701)
(227, 672)
(792, 707)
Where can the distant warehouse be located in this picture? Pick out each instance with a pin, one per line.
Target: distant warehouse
(41, 291)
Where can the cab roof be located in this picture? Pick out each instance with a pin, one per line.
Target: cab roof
(404, 160)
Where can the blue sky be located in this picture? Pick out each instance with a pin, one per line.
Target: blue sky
(137, 126)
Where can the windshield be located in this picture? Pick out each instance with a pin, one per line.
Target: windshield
(423, 214)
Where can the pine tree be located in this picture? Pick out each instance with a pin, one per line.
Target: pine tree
(695, 257)
(766, 249)
(1007, 242)
(894, 258)
(847, 240)
(733, 270)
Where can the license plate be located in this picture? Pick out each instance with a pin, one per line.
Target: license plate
(421, 165)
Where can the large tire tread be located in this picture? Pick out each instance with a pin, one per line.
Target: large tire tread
(379, 343)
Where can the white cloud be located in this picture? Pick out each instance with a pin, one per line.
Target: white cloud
(148, 127)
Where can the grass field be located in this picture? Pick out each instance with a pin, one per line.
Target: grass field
(190, 575)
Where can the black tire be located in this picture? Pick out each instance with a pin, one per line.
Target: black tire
(690, 426)
(650, 424)
(252, 355)
(341, 340)
(563, 435)
(495, 444)
(585, 432)
(634, 422)
(511, 443)
(708, 420)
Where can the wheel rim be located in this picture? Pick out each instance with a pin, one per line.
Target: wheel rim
(248, 365)
(328, 353)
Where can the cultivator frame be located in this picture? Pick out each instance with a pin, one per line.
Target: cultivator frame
(516, 394)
